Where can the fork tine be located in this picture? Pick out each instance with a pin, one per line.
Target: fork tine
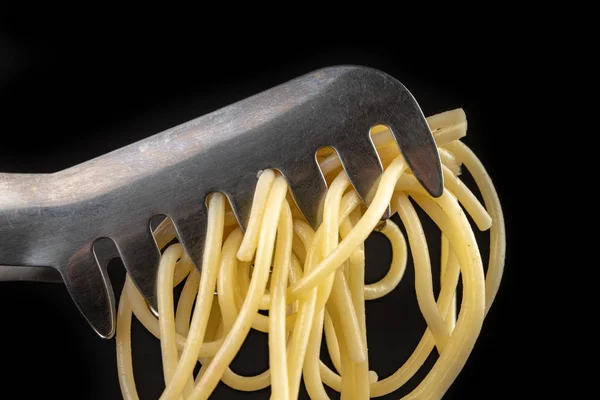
(363, 167)
(415, 140)
(105, 250)
(141, 258)
(191, 231)
(88, 284)
(308, 188)
(240, 197)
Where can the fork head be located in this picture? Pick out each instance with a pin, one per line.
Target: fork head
(57, 219)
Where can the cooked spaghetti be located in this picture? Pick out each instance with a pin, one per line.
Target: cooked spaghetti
(313, 282)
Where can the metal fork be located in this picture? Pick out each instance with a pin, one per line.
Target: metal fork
(58, 219)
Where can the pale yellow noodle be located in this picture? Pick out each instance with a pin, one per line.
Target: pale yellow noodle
(311, 368)
(345, 228)
(333, 346)
(447, 119)
(426, 344)
(340, 295)
(214, 327)
(367, 223)
(317, 283)
(464, 196)
(150, 322)
(356, 284)
(497, 231)
(340, 300)
(186, 303)
(241, 326)
(449, 160)
(448, 257)
(229, 312)
(260, 321)
(298, 249)
(261, 194)
(334, 292)
(168, 344)
(470, 318)
(322, 245)
(423, 279)
(277, 313)
(347, 372)
(468, 200)
(242, 278)
(226, 279)
(397, 267)
(212, 253)
(182, 268)
(330, 378)
(298, 343)
(214, 330)
(392, 174)
(123, 339)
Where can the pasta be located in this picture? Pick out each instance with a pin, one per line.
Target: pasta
(313, 282)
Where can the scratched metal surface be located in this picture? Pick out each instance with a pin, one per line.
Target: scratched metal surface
(55, 220)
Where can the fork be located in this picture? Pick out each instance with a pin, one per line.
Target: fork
(77, 219)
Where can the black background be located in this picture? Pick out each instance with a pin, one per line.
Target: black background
(65, 100)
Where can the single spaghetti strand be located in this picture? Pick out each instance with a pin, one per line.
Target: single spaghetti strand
(340, 299)
(397, 267)
(346, 227)
(123, 340)
(261, 194)
(311, 368)
(447, 257)
(210, 260)
(497, 255)
(277, 312)
(347, 385)
(333, 346)
(298, 342)
(226, 279)
(214, 331)
(168, 344)
(356, 284)
(185, 304)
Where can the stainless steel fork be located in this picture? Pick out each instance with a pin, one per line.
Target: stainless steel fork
(75, 220)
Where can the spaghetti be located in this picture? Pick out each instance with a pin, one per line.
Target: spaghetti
(312, 282)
